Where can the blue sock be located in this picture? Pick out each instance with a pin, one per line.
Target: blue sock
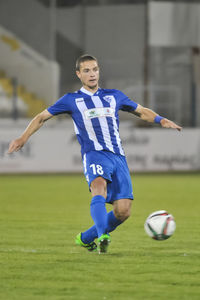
(112, 221)
(89, 235)
(99, 214)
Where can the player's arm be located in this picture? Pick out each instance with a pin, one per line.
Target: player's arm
(149, 115)
(33, 126)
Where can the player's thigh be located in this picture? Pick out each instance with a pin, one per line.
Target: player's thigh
(122, 208)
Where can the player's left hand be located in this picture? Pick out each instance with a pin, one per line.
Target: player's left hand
(165, 123)
(16, 145)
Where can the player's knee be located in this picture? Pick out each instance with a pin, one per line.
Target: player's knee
(122, 209)
(123, 214)
(99, 187)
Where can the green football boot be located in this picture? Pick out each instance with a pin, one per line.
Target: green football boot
(103, 243)
(92, 247)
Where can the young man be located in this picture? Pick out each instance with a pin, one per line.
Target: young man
(95, 115)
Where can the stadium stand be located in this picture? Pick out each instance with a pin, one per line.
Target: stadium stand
(27, 104)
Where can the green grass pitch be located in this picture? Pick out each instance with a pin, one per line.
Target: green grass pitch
(41, 215)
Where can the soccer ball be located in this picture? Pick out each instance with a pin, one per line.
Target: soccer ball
(160, 225)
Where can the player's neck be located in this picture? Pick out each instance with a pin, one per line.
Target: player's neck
(91, 90)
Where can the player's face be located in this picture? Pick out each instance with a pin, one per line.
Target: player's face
(89, 74)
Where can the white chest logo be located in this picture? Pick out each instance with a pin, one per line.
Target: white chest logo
(99, 112)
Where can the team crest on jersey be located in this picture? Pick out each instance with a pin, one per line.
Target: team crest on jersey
(108, 98)
(79, 100)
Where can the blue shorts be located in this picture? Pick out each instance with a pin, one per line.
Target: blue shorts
(114, 169)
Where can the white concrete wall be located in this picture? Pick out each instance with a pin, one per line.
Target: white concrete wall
(29, 20)
(114, 34)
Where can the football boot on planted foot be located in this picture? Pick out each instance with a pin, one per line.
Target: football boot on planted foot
(103, 243)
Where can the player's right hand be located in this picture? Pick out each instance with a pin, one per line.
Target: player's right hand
(16, 145)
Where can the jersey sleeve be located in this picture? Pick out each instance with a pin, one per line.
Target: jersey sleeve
(125, 103)
(61, 106)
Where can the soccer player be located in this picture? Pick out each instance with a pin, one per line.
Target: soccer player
(95, 115)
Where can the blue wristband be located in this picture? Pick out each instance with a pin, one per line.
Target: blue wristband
(158, 119)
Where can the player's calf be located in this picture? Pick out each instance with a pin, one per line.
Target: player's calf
(122, 209)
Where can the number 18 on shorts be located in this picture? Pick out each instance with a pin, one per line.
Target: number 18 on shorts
(111, 167)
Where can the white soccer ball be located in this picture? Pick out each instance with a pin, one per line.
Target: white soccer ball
(160, 225)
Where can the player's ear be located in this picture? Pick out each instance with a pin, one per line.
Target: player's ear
(78, 74)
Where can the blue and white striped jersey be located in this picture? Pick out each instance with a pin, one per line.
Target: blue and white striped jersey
(95, 117)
